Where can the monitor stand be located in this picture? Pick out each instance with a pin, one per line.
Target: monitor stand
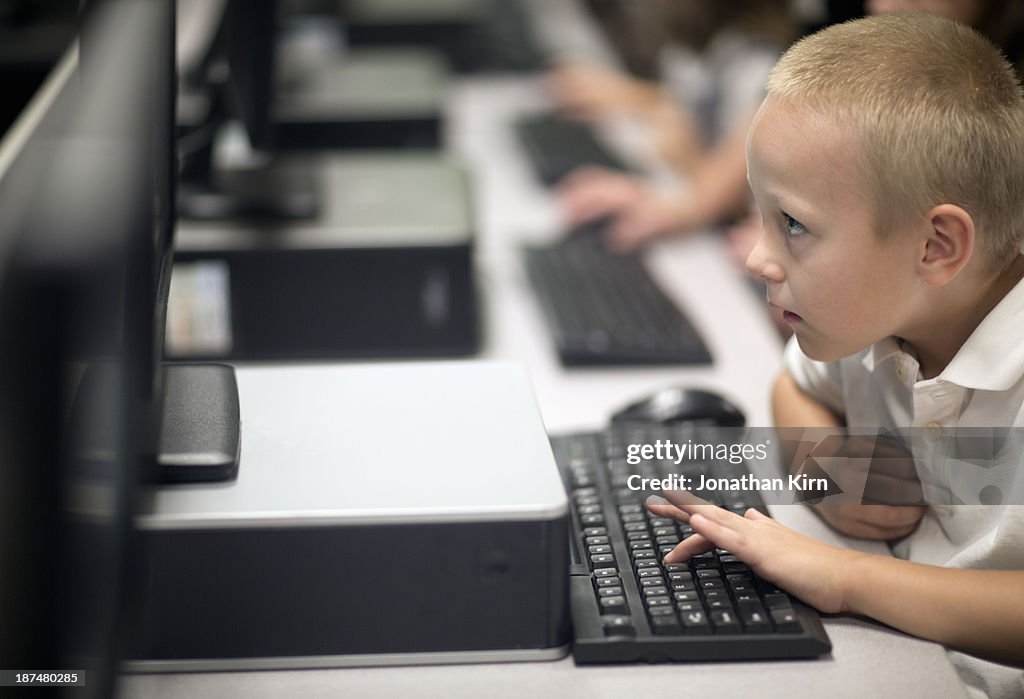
(224, 178)
(199, 433)
(277, 191)
(193, 438)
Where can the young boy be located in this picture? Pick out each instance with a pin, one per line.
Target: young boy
(888, 164)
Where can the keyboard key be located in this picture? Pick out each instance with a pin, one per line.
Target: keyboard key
(695, 623)
(665, 625)
(725, 622)
(618, 625)
(754, 619)
(613, 605)
(785, 620)
(661, 610)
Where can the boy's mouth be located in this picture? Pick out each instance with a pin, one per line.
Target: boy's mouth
(787, 316)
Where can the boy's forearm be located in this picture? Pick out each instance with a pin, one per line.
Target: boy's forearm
(791, 407)
(980, 612)
(793, 410)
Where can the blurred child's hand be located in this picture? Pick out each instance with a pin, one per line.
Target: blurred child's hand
(638, 212)
(590, 193)
(815, 572)
(587, 90)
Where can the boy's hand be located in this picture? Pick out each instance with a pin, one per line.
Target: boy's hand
(817, 573)
(882, 471)
(878, 522)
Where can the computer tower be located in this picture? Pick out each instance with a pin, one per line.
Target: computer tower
(366, 98)
(382, 514)
(385, 270)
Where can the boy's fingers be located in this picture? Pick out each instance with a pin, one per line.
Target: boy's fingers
(755, 515)
(684, 499)
(889, 516)
(690, 546)
(874, 521)
(721, 535)
(668, 510)
(892, 490)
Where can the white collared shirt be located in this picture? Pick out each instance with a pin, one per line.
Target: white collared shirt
(982, 388)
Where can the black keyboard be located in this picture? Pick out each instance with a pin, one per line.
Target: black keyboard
(626, 605)
(557, 146)
(605, 310)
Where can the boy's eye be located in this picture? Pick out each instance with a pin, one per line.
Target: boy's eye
(793, 227)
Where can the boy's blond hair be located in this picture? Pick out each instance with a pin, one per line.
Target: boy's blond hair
(938, 112)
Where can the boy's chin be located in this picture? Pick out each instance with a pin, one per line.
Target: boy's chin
(825, 351)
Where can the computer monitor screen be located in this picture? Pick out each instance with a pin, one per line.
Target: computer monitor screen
(86, 216)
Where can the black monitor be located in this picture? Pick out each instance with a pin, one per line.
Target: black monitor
(86, 220)
(234, 80)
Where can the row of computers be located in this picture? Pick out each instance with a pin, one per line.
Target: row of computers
(301, 87)
(90, 191)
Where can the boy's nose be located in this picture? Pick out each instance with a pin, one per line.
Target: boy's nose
(761, 264)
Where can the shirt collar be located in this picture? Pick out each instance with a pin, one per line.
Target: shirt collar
(992, 358)
(880, 351)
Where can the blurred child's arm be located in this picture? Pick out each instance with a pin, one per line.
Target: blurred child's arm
(976, 611)
(792, 407)
(717, 189)
(588, 90)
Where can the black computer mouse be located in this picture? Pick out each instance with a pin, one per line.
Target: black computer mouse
(682, 405)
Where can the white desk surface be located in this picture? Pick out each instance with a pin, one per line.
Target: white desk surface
(867, 659)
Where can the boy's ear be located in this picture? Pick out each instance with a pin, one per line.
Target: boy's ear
(949, 243)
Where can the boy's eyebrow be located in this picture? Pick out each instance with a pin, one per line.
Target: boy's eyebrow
(796, 207)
